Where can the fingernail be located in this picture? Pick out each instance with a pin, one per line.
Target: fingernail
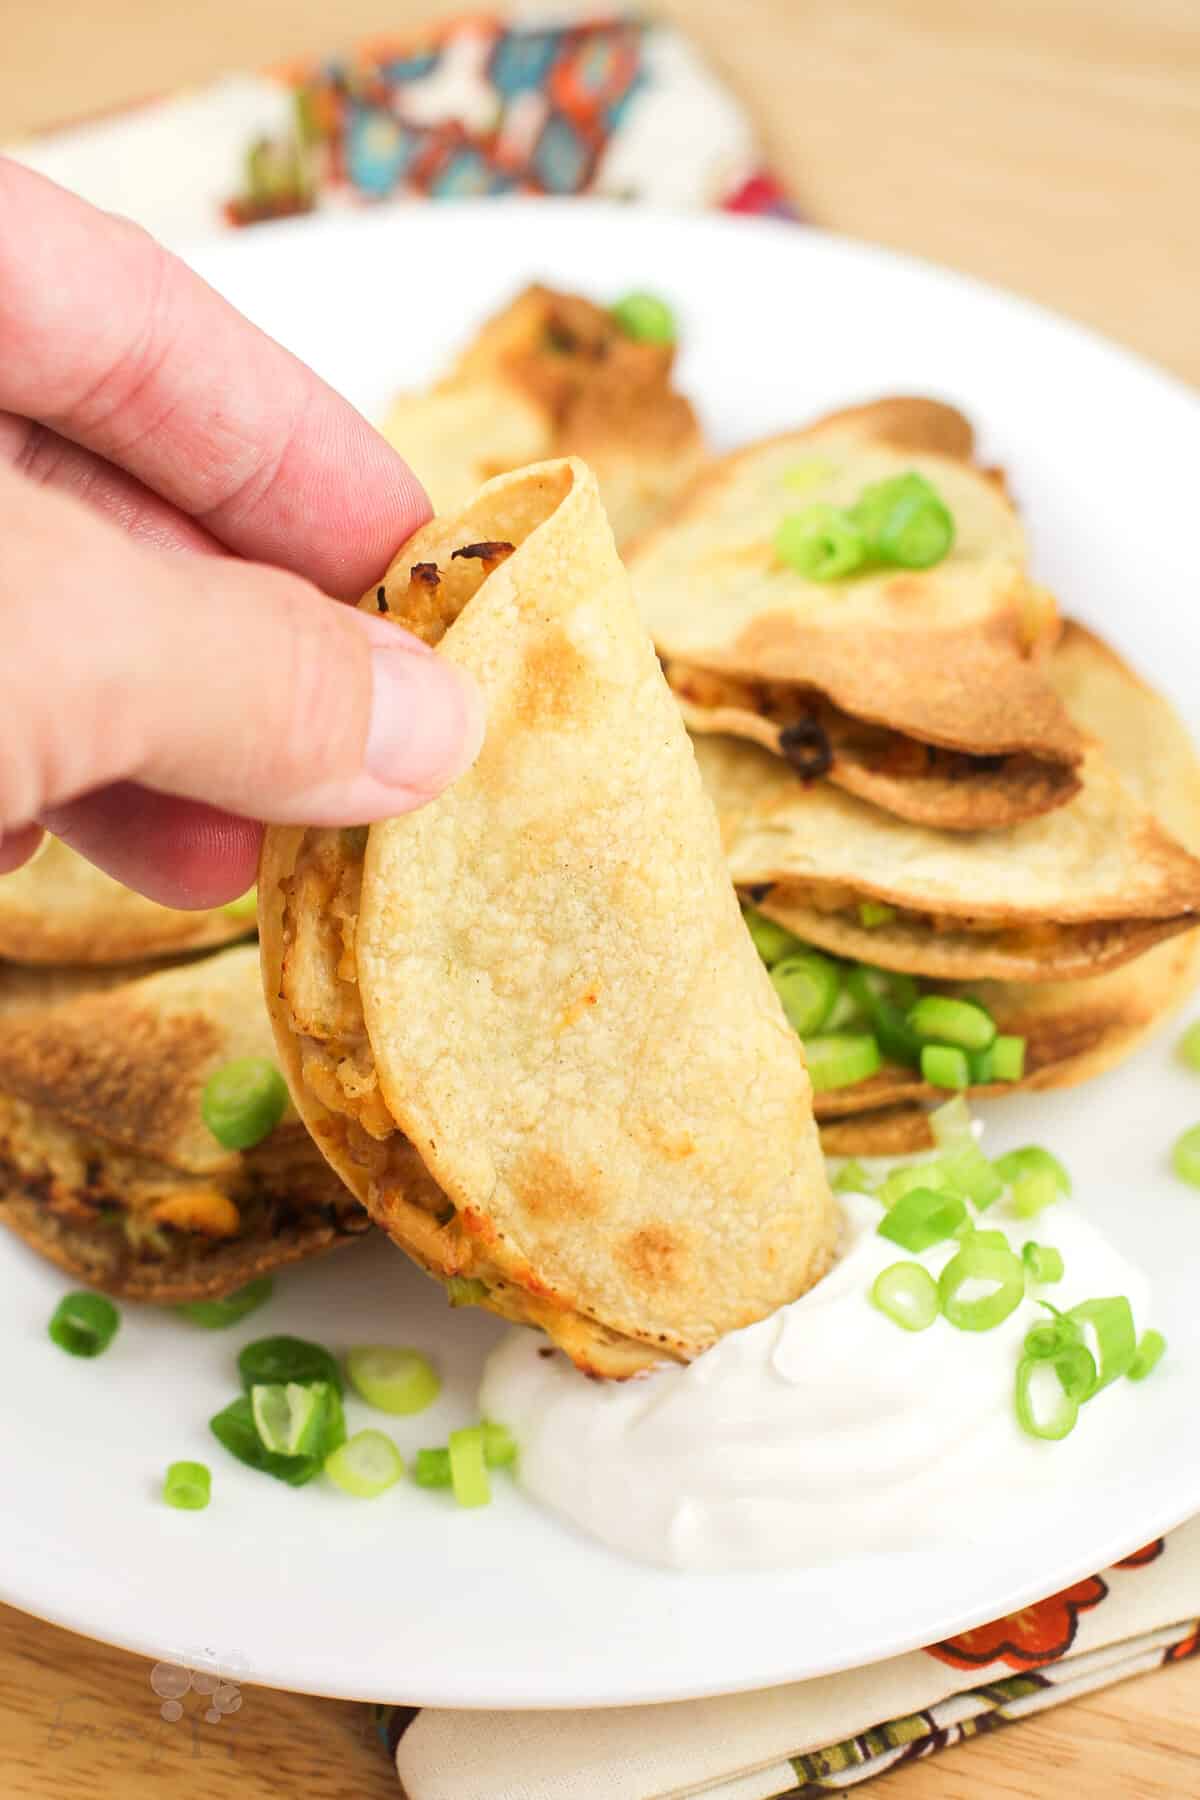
(427, 720)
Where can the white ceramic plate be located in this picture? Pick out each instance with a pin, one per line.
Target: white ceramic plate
(407, 1598)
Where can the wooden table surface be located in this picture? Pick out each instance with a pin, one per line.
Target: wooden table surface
(1051, 147)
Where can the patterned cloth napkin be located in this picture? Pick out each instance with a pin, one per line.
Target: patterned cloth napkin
(623, 108)
(816, 1737)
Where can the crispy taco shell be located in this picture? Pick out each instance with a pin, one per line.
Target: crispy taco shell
(60, 908)
(106, 1165)
(919, 690)
(526, 1022)
(553, 375)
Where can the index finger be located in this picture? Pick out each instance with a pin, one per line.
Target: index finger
(118, 345)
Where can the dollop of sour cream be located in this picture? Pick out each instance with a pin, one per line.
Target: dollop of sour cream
(823, 1431)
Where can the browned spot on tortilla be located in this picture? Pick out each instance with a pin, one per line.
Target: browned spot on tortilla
(425, 572)
(553, 1191)
(653, 1256)
(490, 553)
(557, 683)
(675, 1146)
(131, 1075)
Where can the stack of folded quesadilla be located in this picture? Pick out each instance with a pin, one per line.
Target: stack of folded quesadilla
(922, 772)
(553, 374)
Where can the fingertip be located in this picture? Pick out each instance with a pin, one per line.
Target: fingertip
(181, 853)
(19, 847)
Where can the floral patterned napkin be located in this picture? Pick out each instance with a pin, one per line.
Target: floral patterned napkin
(817, 1737)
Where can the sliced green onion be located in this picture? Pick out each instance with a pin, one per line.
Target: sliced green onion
(872, 913)
(922, 1218)
(1150, 1351)
(939, 1020)
(808, 985)
(853, 1178)
(905, 521)
(943, 1066)
(969, 1173)
(84, 1324)
(365, 1465)
(981, 1068)
(284, 1359)
(1044, 1263)
(234, 1428)
(1032, 1193)
(910, 1176)
(1185, 1157)
(773, 942)
(846, 1016)
(1008, 1058)
(499, 1445)
(468, 1467)
(950, 1124)
(187, 1485)
(245, 907)
(840, 1059)
(821, 543)
(243, 1102)
(395, 1381)
(1111, 1324)
(291, 1417)
(215, 1315)
(885, 1013)
(907, 1294)
(1045, 1409)
(431, 1468)
(1046, 1341)
(645, 318)
(983, 1264)
(464, 1290)
(1030, 1159)
(1189, 1046)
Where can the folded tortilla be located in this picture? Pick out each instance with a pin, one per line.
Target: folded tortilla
(1073, 1029)
(60, 908)
(554, 375)
(106, 1165)
(526, 1023)
(1067, 895)
(920, 690)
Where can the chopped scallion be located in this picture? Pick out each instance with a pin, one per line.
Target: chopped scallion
(1045, 1409)
(243, 1102)
(1150, 1351)
(646, 318)
(853, 1178)
(187, 1485)
(1008, 1058)
(431, 1468)
(807, 985)
(394, 1380)
(365, 1465)
(1033, 1192)
(1185, 1157)
(975, 1265)
(84, 1324)
(1189, 1046)
(943, 1066)
(841, 1059)
(1044, 1263)
(215, 1315)
(1110, 1322)
(922, 1218)
(898, 1182)
(468, 1467)
(773, 942)
(291, 1417)
(465, 1290)
(1031, 1158)
(499, 1445)
(244, 908)
(936, 1019)
(284, 1359)
(950, 1124)
(873, 913)
(907, 1294)
(821, 543)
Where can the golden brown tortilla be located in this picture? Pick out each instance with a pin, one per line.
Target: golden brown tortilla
(526, 1023)
(553, 375)
(106, 1165)
(59, 908)
(919, 690)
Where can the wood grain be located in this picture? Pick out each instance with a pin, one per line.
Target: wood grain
(1054, 148)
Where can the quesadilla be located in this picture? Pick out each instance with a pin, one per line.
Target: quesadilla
(60, 908)
(1066, 895)
(526, 1022)
(919, 689)
(1075, 1029)
(553, 375)
(106, 1164)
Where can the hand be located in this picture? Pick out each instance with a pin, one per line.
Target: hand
(158, 693)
